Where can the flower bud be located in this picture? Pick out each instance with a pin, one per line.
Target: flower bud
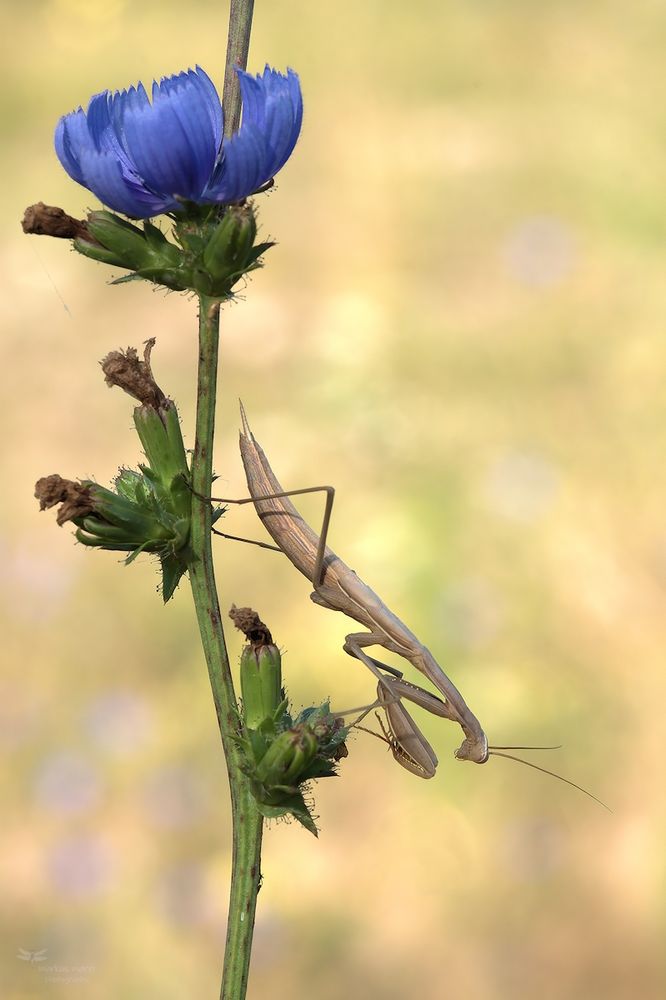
(160, 434)
(287, 757)
(261, 683)
(157, 424)
(230, 242)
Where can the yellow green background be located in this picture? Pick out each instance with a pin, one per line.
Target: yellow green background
(463, 329)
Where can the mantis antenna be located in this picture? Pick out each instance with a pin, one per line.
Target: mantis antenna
(544, 770)
(558, 747)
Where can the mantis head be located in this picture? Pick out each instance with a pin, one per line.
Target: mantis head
(474, 748)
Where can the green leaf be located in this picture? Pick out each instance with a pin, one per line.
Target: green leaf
(172, 571)
(294, 806)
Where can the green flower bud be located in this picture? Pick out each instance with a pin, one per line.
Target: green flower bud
(223, 249)
(158, 426)
(261, 683)
(287, 757)
(160, 434)
(232, 239)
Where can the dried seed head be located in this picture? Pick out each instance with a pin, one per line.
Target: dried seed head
(126, 370)
(49, 220)
(250, 624)
(76, 498)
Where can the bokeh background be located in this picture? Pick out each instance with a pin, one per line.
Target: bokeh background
(462, 328)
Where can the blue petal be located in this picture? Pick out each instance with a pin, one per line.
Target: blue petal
(283, 114)
(133, 97)
(252, 97)
(243, 167)
(210, 99)
(172, 141)
(104, 176)
(270, 126)
(214, 104)
(71, 137)
(102, 126)
(138, 157)
(191, 103)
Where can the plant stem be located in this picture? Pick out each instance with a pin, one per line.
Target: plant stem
(247, 823)
(240, 23)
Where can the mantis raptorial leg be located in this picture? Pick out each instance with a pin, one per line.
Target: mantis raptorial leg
(408, 744)
(406, 741)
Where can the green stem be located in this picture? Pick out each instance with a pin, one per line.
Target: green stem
(247, 823)
(240, 23)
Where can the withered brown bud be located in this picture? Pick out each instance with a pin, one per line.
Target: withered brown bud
(340, 752)
(250, 624)
(75, 498)
(126, 370)
(48, 220)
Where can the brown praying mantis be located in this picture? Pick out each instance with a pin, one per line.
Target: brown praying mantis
(338, 588)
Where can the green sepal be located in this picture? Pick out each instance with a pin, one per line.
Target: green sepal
(293, 805)
(173, 568)
(155, 238)
(94, 542)
(134, 248)
(214, 248)
(146, 547)
(101, 254)
(258, 742)
(258, 251)
(135, 518)
(176, 280)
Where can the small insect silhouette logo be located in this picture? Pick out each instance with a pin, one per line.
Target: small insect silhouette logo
(31, 956)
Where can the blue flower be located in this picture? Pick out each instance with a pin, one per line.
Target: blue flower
(143, 158)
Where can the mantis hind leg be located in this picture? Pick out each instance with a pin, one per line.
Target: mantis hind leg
(248, 541)
(319, 568)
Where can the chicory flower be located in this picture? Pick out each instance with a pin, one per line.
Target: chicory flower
(144, 158)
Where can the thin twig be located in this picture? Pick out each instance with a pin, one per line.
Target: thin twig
(240, 25)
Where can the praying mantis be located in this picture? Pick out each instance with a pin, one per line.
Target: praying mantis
(338, 588)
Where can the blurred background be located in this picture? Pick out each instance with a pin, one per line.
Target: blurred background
(462, 328)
